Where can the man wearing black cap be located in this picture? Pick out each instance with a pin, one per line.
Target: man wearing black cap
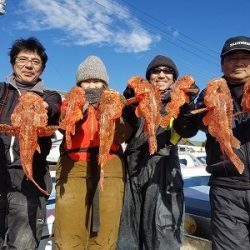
(230, 191)
(154, 202)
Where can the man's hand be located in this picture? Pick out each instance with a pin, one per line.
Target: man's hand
(193, 94)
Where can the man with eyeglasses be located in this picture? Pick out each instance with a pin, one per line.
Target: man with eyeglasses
(152, 216)
(22, 205)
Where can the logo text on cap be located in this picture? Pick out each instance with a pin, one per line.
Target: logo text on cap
(239, 43)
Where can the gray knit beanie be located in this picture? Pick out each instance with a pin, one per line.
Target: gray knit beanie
(162, 61)
(92, 68)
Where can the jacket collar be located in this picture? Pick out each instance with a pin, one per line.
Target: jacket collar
(236, 89)
(39, 87)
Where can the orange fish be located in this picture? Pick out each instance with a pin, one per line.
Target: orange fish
(74, 103)
(219, 116)
(179, 96)
(149, 100)
(109, 109)
(245, 103)
(29, 121)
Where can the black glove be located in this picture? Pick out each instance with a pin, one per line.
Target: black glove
(200, 100)
(128, 93)
(129, 111)
(193, 95)
(187, 107)
(199, 116)
(185, 126)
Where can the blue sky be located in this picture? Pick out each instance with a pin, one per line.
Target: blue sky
(126, 35)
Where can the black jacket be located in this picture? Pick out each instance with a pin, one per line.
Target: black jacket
(223, 173)
(154, 187)
(11, 173)
(137, 146)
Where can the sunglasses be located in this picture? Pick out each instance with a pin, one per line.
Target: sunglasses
(164, 70)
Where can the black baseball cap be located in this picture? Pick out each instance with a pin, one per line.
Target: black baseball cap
(236, 43)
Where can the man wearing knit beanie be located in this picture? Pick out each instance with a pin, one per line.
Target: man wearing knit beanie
(161, 60)
(87, 218)
(162, 72)
(153, 211)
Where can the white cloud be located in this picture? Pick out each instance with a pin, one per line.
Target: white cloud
(86, 22)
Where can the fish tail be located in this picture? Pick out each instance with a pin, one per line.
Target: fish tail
(68, 140)
(38, 187)
(152, 145)
(238, 164)
(101, 181)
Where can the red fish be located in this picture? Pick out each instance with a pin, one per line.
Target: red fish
(29, 121)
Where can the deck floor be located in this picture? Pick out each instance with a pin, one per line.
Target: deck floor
(195, 243)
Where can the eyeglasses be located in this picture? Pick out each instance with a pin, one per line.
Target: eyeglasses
(164, 70)
(24, 60)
